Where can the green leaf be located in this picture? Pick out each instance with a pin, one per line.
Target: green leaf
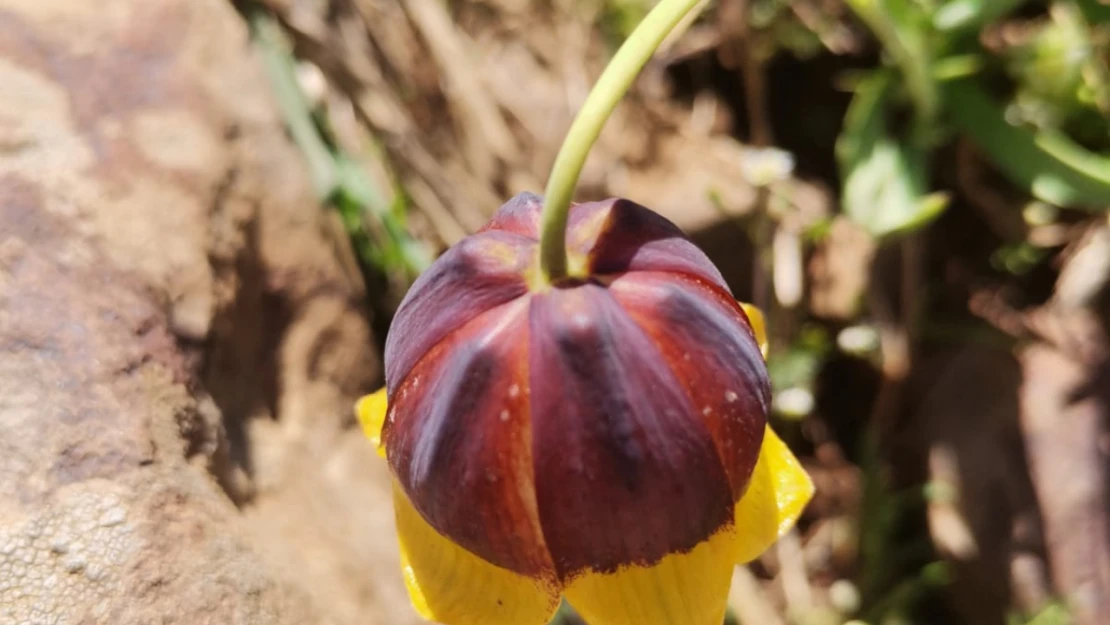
(883, 179)
(957, 66)
(279, 65)
(967, 14)
(903, 29)
(364, 199)
(1094, 12)
(338, 180)
(1048, 164)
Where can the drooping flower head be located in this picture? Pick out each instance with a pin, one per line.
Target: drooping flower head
(602, 438)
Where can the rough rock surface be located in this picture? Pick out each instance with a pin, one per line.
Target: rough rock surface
(180, 338)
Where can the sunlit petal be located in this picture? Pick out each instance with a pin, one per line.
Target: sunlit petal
(705, 339)
(681, 589)
(635, 239)
(371, 411)
(476, 274)
(777, 494)
(450, 585)
(624, 470)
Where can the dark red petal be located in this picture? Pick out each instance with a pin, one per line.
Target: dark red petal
(634, 238)
(625, 471)
(459, 441)
(478, 273)
(520, 215)
(707, 340)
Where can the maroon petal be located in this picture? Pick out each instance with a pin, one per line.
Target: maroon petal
(634, 238)
(480, 272)
(625, 471)
(707, 341)
(459, 441)
(520, 215)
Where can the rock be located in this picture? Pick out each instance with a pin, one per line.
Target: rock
(179, 342)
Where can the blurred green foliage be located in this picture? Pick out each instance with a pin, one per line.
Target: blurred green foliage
(376, 226)
(618, 18)
(1055, 613)
(1037, 106)
(883, 177)
(1027, 83)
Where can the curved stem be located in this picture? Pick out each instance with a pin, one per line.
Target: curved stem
(610, 88)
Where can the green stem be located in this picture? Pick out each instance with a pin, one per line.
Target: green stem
(294, 105)
(599, 105)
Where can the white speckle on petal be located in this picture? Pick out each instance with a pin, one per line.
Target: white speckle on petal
(731, 396)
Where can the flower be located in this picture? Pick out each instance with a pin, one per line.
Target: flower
(604, 438)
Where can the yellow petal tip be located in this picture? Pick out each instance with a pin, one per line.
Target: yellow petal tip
(448, 584)
(416, 595)
(778, 493)
(758, 323)
(371, 411)
(689, 588)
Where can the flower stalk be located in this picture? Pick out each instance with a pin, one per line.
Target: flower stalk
(614, 82)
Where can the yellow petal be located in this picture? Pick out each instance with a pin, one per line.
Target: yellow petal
(450, 585)
(759, 325)
(371, 411)
(681, 589)
(777, 493)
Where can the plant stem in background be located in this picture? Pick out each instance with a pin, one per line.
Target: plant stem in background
(610, 88)
(295, 108)
(337, 177)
